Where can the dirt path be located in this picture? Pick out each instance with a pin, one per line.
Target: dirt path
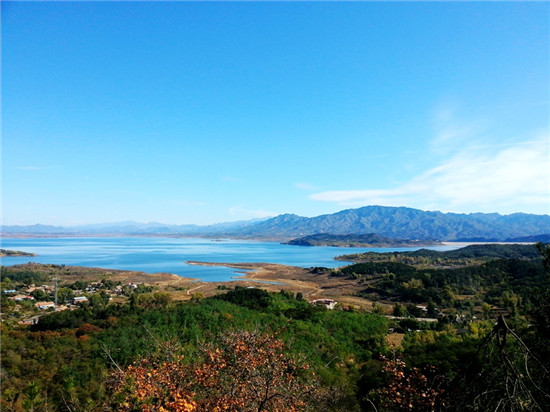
(190, 291)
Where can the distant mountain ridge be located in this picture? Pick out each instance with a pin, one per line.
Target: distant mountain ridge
(391, 222)
(408, 223)
(126, 228)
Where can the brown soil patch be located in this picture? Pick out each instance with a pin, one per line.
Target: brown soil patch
(395, 340)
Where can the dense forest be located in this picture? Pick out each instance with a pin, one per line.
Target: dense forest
(247, 349)
(498, 275)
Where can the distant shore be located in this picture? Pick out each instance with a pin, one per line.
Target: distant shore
(218, 238)
(485, 243)
(14, 253)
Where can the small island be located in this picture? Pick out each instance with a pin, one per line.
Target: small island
(363, 240)
(14, 253)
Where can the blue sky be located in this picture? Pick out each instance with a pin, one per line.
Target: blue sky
(205, 112)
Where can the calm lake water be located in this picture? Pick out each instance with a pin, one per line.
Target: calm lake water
(152, 254)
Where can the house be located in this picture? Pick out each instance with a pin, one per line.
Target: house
(19, 298)
(44, 305)
(30, 321)
(422, 308)
(79, 300)
(329, 303)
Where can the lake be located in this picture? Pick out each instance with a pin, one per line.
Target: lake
(157, 254)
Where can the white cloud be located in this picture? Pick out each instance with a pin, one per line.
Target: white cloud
(505, 178)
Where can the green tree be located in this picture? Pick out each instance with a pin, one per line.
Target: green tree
(64, 295)
(486, 309)
(99, 300)
(79, 285)
(399, 310)
(431, 309)
(40, 295)
(155, 300)
(32, 399)
(544, 250)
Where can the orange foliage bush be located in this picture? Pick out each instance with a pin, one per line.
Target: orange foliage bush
(154, 387)
(86, 329)
(408, 389)
(244, 371)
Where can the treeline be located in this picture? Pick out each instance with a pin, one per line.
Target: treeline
(490, 280)
(472, 254)
(499, 275)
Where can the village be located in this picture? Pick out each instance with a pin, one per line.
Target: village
(28, 303)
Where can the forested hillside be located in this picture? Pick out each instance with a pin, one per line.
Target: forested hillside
(247, 349)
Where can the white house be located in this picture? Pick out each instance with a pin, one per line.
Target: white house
(79, 299)
(329, 303)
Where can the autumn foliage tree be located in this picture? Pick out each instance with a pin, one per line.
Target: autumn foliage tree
(151, 386)
(409, 389)
(242, 371)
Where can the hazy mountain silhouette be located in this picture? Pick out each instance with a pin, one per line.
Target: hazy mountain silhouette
(392, 222)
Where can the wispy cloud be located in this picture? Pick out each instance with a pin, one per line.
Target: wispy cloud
(450, 133)
(482, 177)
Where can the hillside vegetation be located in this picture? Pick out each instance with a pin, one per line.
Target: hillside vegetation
(503, 276)
(246, 349)
(463, 256)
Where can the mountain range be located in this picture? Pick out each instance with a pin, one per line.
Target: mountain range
(392, 222)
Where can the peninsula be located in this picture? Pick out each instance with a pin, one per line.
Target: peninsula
(14, 253)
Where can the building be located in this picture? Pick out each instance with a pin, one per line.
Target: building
(44, 305)
(19, 298)
(329, 303)
(79, 300)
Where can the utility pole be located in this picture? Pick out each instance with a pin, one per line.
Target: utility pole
(55, 291)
